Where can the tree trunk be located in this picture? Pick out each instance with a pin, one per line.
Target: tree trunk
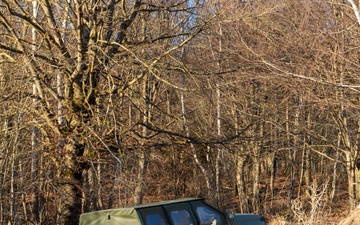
(355, 8)
(307, 170)
(142, 159)
(70, 175)
(13, 186)
(335, 168)
(219, 155)
(138, 193)
(192, 146)
(240, 183)
(351, 179)
(274, 167)
(305, 173)
(34, 139)
(357, 185)
(255, 201)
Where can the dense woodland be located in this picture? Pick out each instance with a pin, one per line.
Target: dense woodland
(252, 105)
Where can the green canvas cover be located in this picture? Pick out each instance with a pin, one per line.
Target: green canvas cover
(121, 216)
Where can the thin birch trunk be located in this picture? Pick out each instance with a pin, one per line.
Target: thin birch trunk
(355, 8)
(240, 183)
(333, 183)
(138, 193)
(302, 170)
(256, 177)
(240, 159)
(35, 136)
(142, 159)
(59, 79)
(12, 188)
(351, 181)
(13, 178)
(351, 149)
(23, 197)
(287, 127)
(307, 161)
(3, 152)
(349, 156)
(5, 158)
(274, 166)
(356, 164)
(187, 131)
(294, 148)
(219, 156)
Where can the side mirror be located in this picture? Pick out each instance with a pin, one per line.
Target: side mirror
(229, 213)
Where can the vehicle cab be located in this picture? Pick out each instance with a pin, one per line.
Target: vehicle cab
(189, 211)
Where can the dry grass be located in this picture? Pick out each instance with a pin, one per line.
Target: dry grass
(316, 209)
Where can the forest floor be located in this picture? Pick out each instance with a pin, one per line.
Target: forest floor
(313, 209)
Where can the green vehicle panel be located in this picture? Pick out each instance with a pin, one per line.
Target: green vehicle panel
(187, 211)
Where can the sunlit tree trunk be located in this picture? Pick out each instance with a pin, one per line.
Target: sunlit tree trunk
(12, 187)
(240, 183)
(192, 146)
(240, 158)
(350, 176)
(357, 164)
(139, 188)
(273, 170)
(219, 155)
(14, 173)
(291, 154)
(351, 151)
(35, 136)
(255, 156)
(295, 145)
(2, 150)
(145, 118)
(335, 168)
(143, 151)
(305, 172)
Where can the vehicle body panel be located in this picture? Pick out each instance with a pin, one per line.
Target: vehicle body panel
(124, 216)
(187, 211)
(247, 219)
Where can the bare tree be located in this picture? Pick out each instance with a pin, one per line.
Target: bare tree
(90, 53)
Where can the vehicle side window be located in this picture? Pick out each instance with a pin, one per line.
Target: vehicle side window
(153, 216)
(154, 219)
(181, 217)
(180, 214)
(208, 215)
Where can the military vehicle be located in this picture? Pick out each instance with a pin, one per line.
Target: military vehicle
(187, 211)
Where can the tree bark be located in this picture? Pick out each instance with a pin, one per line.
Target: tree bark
(240, 183)
(35, 138)
(207, 176)
(139, 188)
(70, 177)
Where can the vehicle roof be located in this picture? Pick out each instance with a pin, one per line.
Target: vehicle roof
(126, 216)
(166, 202)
